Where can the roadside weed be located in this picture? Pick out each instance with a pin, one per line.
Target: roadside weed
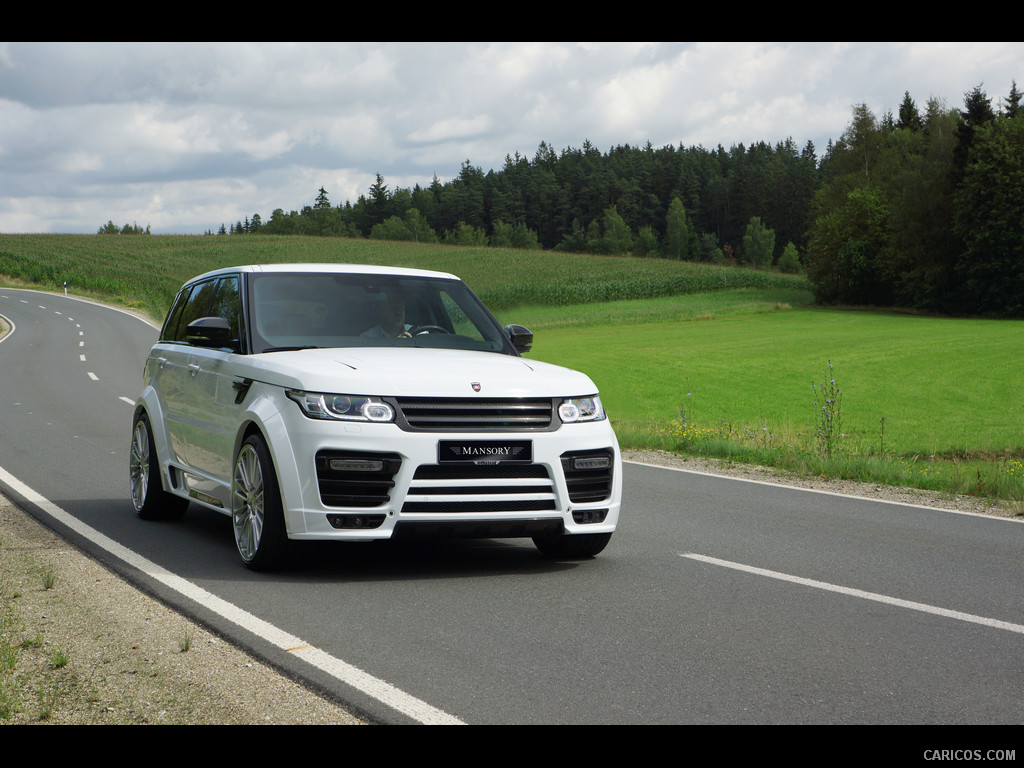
(828, 414)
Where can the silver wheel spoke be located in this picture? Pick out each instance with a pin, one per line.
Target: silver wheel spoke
(247, 502)
(139, 465)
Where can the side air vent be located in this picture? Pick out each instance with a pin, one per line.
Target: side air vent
(355, 479)
(588, 474)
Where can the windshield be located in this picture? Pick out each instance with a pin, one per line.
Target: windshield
(301, 310)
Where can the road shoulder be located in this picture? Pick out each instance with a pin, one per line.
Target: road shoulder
(92, 649)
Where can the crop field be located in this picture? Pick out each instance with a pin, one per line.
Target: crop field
(146, 271)
(717, 361)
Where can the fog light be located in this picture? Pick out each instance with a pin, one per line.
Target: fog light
(355, 465)
(356, 521)
(585, 516)
(591, 462)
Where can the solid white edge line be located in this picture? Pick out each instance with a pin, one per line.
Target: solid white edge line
(346, 673)
(10, 331)
(895, 601)
(826, 493)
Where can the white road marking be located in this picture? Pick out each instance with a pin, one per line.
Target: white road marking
(1017, 520)
(346, 673)
(127, 400)
(82, 358)
(896, 601)
(93, 376)
(10, 332)
(81, 343)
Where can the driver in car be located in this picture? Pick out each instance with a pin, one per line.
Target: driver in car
(390, 319)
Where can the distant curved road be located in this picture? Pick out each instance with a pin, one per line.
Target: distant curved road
(718, 601)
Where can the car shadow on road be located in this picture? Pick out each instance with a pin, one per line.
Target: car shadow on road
(201, 545)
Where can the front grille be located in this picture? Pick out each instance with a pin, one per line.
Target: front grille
(588, 484)
(356, 480)
(435, 414)
(443, 489)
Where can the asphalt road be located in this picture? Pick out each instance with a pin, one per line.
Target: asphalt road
(718, 601)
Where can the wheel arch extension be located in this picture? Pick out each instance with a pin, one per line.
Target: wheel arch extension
(146, 407)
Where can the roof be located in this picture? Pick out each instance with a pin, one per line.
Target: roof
(332, 268)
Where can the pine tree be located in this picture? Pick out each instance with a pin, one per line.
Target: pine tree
(977, 111)
(1011, 104)
(909, 116)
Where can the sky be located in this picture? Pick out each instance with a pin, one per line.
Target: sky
(184, 137)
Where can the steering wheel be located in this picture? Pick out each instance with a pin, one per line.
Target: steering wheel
(418, 329)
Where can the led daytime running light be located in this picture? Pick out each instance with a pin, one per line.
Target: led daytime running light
(318, 405)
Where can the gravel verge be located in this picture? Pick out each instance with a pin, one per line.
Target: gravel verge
(79, 645)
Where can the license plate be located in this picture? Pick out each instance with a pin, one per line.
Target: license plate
(485, 451)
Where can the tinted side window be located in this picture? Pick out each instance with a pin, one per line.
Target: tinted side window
(185, 311)
(169, 331)
(213, 298)
(227, 303)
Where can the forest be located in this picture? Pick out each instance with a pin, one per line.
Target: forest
(921, 210)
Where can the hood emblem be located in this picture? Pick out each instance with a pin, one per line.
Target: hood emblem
(475, 385)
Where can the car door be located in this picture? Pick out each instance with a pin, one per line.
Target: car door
(216, 395)
(169, 371)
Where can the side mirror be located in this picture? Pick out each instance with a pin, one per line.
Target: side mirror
(210, 332)
(521, 338)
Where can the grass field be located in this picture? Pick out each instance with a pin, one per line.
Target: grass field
(925, 401)
(694, 358)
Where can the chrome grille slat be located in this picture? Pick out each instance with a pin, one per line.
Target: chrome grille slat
(474, 414)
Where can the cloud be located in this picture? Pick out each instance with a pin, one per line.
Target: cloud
(179, 134)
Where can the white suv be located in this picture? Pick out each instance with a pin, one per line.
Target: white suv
(352, 403)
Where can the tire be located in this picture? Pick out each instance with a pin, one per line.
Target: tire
(566, 547)
(257, 515)
(148, 496)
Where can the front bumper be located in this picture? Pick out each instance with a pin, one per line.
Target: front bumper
(361, 481)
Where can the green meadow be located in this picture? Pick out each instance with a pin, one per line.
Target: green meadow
(715, 361)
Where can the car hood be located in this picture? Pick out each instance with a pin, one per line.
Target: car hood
(412, 371)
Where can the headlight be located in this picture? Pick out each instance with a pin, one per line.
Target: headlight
(575, 409)
(318, 405)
